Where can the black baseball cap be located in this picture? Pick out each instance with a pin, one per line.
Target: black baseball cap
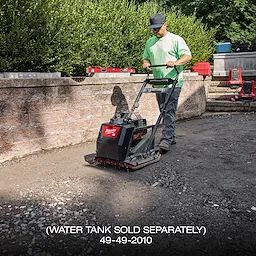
(157, 20)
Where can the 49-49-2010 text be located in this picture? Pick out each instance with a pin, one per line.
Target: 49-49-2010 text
(126, 240)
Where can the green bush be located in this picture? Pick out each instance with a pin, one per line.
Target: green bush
(23, 35)
(68, 36)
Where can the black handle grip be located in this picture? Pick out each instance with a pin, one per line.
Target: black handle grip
(164, 65)
(158, 65)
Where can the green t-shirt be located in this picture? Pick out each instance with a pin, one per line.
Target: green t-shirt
(160, 50)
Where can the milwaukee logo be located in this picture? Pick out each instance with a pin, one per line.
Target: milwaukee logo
(111, 131)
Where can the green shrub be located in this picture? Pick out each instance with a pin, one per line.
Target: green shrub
(23, 34)
(68, 36)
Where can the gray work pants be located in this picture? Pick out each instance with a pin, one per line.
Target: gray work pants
(169, 116)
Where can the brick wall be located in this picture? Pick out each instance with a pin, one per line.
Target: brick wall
(38, 114)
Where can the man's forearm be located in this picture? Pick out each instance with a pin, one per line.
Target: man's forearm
(183, 60)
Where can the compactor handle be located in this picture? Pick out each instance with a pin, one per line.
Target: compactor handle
(164, 65)
(158, 65)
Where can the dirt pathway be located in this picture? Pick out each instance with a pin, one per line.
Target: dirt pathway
(198, 200)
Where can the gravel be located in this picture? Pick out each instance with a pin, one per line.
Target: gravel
(25, 222)
(206, 179)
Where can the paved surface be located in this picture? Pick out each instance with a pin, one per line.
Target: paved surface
(198, 200)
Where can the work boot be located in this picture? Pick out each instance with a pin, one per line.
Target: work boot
(164, 145)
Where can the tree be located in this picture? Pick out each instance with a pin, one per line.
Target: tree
(235, 20)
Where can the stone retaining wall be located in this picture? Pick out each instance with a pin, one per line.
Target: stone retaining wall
(38, 114)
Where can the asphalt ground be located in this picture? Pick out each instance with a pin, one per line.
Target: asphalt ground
(198, 200)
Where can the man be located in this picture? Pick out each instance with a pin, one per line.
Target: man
(170, 49)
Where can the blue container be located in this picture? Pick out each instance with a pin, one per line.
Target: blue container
(223, 47)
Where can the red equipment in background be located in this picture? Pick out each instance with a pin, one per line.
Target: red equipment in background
(235, 77)
(202, 68)
(94, 69)
(248, 91)
(91, 70)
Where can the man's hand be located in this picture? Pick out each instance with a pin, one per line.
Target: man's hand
(170, 63)
(146, 64)
(182, 61)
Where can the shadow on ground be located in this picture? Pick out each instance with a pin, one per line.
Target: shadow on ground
(206, 183)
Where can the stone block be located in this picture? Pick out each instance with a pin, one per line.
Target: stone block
(244, 60)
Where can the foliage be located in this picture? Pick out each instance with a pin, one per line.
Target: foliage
(234, 20)
(68, 36)
(22, 34)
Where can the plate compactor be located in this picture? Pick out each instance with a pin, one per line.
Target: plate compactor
(127, 141)
(247, 92)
